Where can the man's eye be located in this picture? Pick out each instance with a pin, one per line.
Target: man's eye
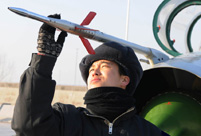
(103, 66)
(91, 70)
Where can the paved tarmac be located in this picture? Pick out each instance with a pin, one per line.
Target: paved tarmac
(6, 112)
(5, 130)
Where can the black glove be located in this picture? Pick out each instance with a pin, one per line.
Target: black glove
(46, 42)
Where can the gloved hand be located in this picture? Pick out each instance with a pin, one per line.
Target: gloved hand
(46, 42)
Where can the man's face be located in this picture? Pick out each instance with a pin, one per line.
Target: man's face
(105, 73)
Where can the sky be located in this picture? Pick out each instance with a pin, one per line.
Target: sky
(19, 34)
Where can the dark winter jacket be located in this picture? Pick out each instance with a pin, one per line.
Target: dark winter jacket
(34, 115)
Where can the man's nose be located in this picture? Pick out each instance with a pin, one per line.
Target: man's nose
(96, 72)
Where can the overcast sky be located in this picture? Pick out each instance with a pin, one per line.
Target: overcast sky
(19, 34)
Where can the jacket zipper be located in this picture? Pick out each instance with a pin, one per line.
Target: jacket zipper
(110, 128)
(108, 122)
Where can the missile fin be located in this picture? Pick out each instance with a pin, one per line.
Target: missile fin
(87, 45)
(88, 18)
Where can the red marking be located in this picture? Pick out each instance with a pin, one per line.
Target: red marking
(41, 54)
(159, 27)
(169, 103)
(88, 18)
(173, 40)
(87, 45)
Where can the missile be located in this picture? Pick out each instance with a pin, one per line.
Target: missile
(60, 24)
(154, 56)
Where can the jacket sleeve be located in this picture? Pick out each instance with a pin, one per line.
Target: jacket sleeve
(33, 113)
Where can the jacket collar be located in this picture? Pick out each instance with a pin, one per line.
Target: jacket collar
(124, 116)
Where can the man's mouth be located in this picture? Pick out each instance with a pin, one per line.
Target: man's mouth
(95, 80)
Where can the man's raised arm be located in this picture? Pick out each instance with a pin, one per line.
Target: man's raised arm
(33, 114)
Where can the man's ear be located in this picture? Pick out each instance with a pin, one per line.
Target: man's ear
(125, 81)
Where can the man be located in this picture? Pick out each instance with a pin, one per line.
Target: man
(112, 75)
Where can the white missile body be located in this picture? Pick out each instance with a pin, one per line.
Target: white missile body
(154, 56)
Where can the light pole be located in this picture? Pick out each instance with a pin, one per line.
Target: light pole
(127, 19)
